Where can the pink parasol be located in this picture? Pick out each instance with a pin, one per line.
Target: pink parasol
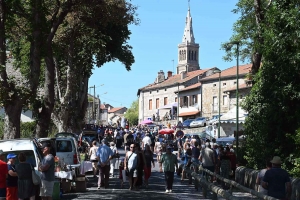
(166, 131)
(147, 121)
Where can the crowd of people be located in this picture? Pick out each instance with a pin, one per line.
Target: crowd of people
(140, 145)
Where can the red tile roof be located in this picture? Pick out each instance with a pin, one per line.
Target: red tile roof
(188, 113)
(175, 79)
(243, 70)
(191, 87)
(241, 86)
(102, 106)
(112, 110)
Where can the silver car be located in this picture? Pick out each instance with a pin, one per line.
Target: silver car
(200, 121)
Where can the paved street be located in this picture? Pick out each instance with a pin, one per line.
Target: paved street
(156, 189)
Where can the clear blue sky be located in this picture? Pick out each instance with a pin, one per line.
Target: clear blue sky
(155, 42)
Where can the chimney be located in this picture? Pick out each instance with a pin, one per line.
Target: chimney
(183, 75)
(160, 76)
(170, 74)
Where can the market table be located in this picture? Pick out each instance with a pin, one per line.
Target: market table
(86, 166)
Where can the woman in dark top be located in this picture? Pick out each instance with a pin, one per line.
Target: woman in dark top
(26, 188)
(147, 168)
(140, 166)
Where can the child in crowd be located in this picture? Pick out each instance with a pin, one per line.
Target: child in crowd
(121, 168)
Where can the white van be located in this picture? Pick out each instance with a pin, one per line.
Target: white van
(67, 151)
(30, 147)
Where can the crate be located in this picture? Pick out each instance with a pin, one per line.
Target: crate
(80, 183)
(66, 186)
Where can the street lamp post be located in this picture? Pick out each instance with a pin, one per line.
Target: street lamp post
(219, 124)
(237, 43)
(177, 103)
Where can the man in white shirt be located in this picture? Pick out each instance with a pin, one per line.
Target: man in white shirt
(146, 141)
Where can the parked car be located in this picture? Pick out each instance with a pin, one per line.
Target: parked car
(67, 151)
(200, 121)
(214, 119)
(30, 147)
(187, 122)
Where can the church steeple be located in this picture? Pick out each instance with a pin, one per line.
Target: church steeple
(188, 35)
(188, 50)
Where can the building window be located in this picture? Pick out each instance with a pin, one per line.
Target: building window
(224, 84)
(225, 100)
(175, 99)
(195, 99)
(214, 85)
(157, 103)
(150, 104)
(165, 101)
(215, 104)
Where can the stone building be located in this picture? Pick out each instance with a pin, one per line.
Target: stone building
(228, 81)
(158, 100)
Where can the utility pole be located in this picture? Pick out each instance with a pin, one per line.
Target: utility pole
(94, 103)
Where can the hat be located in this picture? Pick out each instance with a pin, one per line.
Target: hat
(276, 160)
(227, 144)
(169, 147)
(11, 155)
(46, 144)
(215, 144)
(112, 144)
(1, 152)
(207, 144)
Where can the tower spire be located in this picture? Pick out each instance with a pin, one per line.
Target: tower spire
(188, 35)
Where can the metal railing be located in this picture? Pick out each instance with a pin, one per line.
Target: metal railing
(206, 185)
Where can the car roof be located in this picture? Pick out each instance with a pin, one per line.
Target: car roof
(17, 144)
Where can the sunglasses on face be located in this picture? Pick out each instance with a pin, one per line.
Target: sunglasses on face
(131, 147)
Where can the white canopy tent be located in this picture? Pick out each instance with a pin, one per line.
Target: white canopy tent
(230, 116)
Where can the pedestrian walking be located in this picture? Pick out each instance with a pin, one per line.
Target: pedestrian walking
(121, 168)
(12, 178)
(169, 161)
(26, 188)
(207, 157)
(277, 181)
(104, 155)
(114, 159)
(130, 164)
(140, 165)
(260, 177)
(47, 173)
(93, 157)
(3, 176)
(147, 167)
(186, 163)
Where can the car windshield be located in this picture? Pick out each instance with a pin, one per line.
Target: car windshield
(30, 158)
(200, 118)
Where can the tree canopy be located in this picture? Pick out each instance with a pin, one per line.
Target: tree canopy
(274, 101)
(132, 114)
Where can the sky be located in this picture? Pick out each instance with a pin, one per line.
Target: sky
(155, 42)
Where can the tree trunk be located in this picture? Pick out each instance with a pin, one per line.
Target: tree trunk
(78, 119)
(257, 55)
(12, 120)
(48, 105)
(60, 120)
